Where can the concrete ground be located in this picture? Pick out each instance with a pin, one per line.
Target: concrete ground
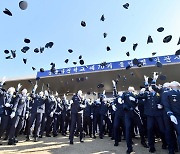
(60, 145)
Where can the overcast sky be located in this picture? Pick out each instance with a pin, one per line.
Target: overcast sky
(59, 21)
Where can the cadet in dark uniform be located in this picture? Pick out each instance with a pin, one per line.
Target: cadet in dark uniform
(6, 102)
(141, 102)
(20, 108)
(87, 118)
(117, 106)
(2, 98)
(169, 130)
(132, 115)
(103, 113)
(153, 109)
(64, 106)
(56, 118)
(76, 116)
(37, 110)
(3, 118)
(96, 116)
(108, 119)
(171, 100)
(51, 108)
(46, 114)
(68, 116)
(29, 115)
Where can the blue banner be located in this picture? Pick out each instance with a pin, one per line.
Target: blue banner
(110, 66)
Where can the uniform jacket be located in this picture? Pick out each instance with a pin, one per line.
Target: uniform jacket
(103, 108)
(88, 110)
(129, 105)
(21, 105)
(50, 105)
(171, 100)
(2, 101)
(150, 104)
(75, 106)
(96, 108)
(38, 104)
(119, 107)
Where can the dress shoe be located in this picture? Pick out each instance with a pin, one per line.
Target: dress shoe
(129, 151)
(15, 140)
(171, 152)
(101, 137)
(176, 150)
(36, 139)
(11, 142)
(27, 138)
(152, 150)
(54, 135)
(145, 144)
(48, 135)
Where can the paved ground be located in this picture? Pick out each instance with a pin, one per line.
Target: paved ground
(60, 145)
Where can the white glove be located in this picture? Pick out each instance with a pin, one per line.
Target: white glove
(35, 87)
(155, 76)
(56, 94)
(131, 98)
(104, 92)
(69, 107)
(114, 108)
(145, 79)
(53, 99)
(19, 86)
(51, 114)
(64, 96)
(7, 105)
(173, 119)
(12, 115)
(26, 116)
(3, 80)
(159, 106)
(82, 106)
(137, 108)
(46, 93)
(71, 101)
(120, 100)
(91, 116)
(114, 83)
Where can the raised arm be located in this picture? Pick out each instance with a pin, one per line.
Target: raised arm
(115, 93)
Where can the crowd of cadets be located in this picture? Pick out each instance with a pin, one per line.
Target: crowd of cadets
(152, 113)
